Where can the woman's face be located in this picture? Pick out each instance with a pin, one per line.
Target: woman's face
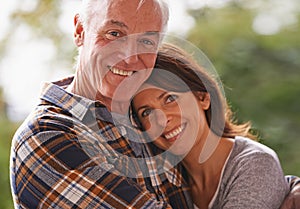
(175, 121)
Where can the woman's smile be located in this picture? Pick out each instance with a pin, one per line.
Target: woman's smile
(175, 133)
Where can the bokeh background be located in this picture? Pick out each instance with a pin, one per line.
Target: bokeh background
(253, 44)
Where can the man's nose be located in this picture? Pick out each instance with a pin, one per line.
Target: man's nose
(131, 51)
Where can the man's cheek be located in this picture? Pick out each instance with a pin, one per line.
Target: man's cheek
(150, 60)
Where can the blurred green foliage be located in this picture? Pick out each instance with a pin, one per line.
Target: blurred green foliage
(261, 74)
(7, 129)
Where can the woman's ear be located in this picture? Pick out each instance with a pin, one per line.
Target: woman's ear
(79, 31)
(204, 99)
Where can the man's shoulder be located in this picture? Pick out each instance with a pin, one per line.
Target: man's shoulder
(44, 119)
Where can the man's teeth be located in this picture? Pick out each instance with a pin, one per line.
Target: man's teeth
(174, 133)
(120, 72)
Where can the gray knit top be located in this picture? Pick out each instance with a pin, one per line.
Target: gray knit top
(252, 178)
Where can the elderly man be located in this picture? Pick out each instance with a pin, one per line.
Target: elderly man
(74, 150)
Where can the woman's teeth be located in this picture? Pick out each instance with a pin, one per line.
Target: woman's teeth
(174, 133)
(120, 72)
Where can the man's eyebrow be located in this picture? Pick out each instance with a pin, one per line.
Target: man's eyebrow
(123, 25)
(151, 33)
(118, 23)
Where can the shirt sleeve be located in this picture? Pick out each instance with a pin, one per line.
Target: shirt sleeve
(51, 170)
(258, 183)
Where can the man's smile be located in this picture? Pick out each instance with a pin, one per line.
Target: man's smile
(117, 71)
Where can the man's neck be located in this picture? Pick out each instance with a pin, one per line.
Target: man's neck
(120, 107)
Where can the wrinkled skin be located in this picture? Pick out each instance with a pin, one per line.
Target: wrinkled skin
(118, 50)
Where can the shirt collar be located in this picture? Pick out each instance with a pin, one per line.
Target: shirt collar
(56, 93)
(78, 106)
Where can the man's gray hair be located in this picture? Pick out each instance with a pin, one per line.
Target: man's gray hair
(164, 7)
(89, 7)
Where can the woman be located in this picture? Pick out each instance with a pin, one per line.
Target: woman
(184, 112)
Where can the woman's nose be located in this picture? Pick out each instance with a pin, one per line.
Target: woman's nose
(161, 117)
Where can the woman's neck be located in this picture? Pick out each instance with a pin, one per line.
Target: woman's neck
(204, 177)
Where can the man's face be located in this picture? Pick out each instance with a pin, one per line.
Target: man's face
(120, 46)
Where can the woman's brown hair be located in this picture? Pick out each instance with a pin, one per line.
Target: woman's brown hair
(177, 71)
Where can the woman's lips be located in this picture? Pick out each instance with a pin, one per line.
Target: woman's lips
(173, 134)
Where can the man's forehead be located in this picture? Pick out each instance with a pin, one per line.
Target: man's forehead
(129, 16)
(138, 4)
(134, 7)
(125, 26)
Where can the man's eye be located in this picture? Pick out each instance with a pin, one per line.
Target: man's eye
(147, 43)
(112, 35)
(171, 98)
(146, 113)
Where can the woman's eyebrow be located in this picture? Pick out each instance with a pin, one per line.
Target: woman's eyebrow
(158, 98)
(162, 95)
(141, 107)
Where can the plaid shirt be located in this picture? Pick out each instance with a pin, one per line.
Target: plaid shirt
(72, 153)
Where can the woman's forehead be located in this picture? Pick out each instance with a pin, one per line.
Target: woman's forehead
(150, 87)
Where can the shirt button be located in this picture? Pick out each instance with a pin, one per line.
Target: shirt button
(122, 130)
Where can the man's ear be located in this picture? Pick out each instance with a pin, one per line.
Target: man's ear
(204, 99)
(79, 31)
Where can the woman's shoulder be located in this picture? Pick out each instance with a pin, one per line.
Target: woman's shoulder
(254, 173)
(248, 156)
(245, 148)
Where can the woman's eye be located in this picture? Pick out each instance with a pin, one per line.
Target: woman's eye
(146, 112)
(171, 98)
